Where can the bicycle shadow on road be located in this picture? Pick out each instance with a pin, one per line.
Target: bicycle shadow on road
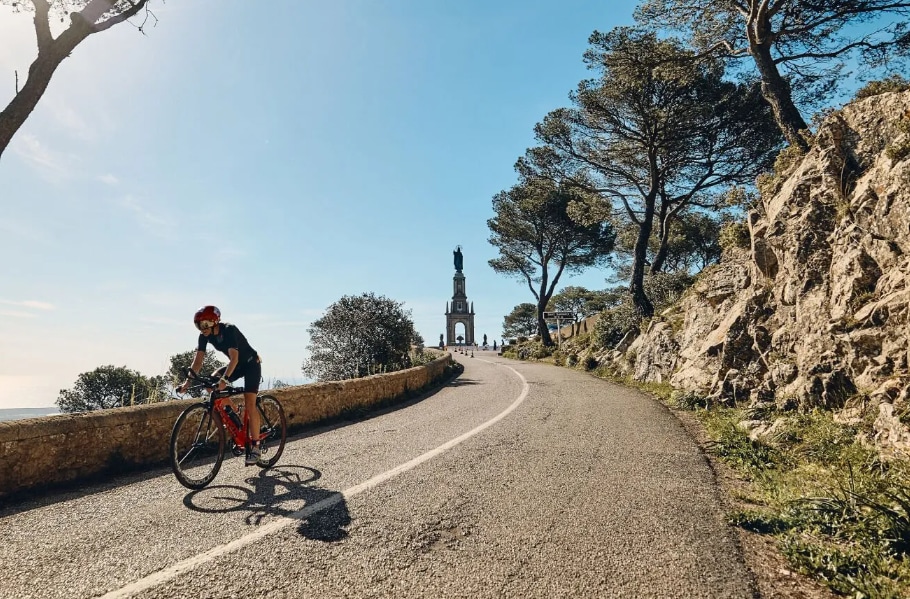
(461, 382)
(279, 492)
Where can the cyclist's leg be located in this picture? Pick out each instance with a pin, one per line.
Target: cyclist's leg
(251, 376)
(219, 372)
(249, 404)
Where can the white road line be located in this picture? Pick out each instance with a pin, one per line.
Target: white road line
(171, 572)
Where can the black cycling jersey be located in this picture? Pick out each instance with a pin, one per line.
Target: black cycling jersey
(229, 336)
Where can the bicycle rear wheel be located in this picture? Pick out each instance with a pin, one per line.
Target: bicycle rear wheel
(273, 429)
(197, 446)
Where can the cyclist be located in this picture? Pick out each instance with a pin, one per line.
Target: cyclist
(244, 363)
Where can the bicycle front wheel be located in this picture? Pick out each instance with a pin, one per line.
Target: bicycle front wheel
(273, 430)
(197, 446)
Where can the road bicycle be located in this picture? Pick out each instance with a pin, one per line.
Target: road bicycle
(200, 434)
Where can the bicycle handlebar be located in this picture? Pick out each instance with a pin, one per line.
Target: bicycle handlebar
(211, 382)
(206, 381)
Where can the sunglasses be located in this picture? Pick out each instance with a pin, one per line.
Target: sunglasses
(204, 325)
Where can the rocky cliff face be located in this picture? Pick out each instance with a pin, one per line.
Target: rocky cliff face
(817, 311)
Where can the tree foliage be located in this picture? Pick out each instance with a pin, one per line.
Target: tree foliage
(359, 336)
(85, 18)
(692, 243)
(521, 321)
(180, 362)
(797, 47)
(620, 317)
(656, 134)
(538, 241)
(573, 299)
(892, 83)
(110, 387)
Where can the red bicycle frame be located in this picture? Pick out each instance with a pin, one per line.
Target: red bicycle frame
(237, 432)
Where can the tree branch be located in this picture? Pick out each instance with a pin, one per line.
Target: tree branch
(96, 9)
(42, 24)
(831, 54)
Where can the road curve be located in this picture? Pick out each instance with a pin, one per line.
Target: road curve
(514, 480)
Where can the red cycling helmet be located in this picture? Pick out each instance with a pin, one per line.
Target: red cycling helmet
(206, 317)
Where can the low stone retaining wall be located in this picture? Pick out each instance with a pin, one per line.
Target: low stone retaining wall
(65, 448)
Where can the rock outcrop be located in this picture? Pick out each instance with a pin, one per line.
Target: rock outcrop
(817, 311)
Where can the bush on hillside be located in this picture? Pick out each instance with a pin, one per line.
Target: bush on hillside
(735, 235)
(893, 83)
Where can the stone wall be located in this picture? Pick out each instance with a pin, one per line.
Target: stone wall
(48, 451)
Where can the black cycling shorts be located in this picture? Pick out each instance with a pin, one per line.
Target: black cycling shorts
(251, 373)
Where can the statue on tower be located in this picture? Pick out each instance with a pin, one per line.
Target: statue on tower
(459, 259)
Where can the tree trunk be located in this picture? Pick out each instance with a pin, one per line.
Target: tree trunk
(542, 329)
(51, 53)
(24, 102)
(640, 300)
(542, 301)
(657, 264)
(776, 91)
(49, 57)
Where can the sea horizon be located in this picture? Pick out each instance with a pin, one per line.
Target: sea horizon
(7, 414)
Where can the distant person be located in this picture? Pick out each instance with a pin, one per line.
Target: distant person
(244, 363)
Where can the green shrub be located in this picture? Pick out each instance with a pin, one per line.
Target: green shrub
(735, 235)
(688, 400)
(842, 515)
(541, 351)
(900, 149)
(533, 350)
(614, 323)
(787, 159)
(420, 357)
(510, 351)
(730, 443)
(770, 183)
(665, 288)
(892, 83)
(559, 358)
(904, 416)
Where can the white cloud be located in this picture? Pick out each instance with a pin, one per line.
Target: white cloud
(70, 120)
(34, 304)
(226, 255)
(37, 305)
(40, 156)
(10, 314)
(145, 217)
(109, 179)
(21, 230)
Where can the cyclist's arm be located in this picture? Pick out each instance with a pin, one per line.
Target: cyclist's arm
(197, 360)
(234, 356)
(196, 365)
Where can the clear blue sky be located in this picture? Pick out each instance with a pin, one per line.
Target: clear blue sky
(269, 162)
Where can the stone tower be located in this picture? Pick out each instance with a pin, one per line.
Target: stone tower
(460, 312)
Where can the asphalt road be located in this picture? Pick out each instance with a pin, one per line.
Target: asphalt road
(514, 480)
